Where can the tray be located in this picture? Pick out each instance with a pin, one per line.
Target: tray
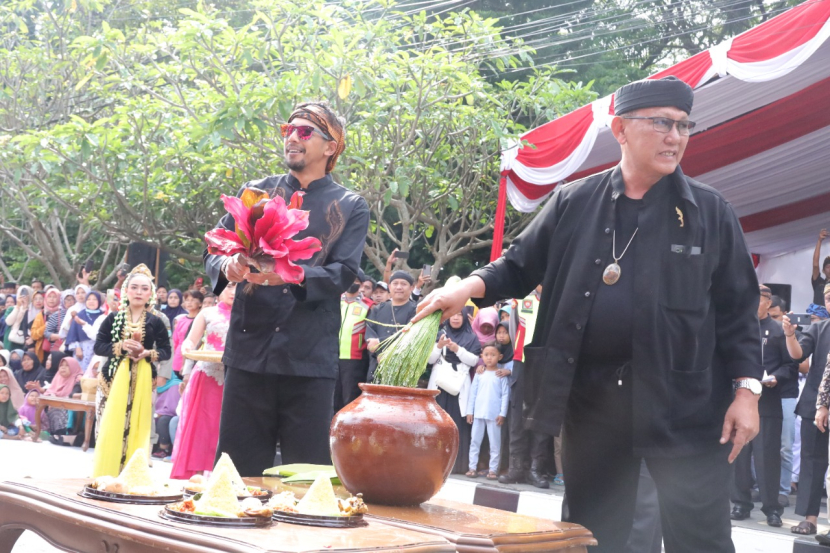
(92, 493)
(264, 498)
(224, 522)
(353, 521)
(208, 356)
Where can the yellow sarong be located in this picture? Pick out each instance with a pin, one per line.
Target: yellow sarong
(109, 449)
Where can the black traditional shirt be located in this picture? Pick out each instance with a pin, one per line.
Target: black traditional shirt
(293, 329)
(383, 321)
(694, 322)
(777, 363)
(155, 337)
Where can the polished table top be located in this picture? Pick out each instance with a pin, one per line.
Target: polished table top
(437, 526)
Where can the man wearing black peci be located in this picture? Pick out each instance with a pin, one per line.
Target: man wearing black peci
(281, 353)
(647, 320)
(780, 370)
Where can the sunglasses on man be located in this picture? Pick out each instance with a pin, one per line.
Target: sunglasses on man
(304, 132)
(664, 124)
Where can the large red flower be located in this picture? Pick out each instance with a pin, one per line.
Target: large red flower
(264, 231)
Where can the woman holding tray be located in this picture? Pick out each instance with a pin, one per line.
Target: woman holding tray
(195, 447)
(131, 340)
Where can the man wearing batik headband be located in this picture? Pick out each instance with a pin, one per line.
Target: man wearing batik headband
(647, 319)
(281, 353)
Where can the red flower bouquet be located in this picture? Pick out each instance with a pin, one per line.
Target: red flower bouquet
(264, 232)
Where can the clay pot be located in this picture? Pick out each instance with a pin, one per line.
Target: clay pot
(394, 445)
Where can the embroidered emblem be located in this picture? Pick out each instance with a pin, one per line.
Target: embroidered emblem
(679, 216)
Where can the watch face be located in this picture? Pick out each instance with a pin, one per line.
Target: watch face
(755, 386)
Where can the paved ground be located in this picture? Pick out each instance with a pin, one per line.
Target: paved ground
(28, 460)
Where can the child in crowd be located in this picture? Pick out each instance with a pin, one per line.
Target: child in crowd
(27, 414)
(8, 414)
(487, 408)
(181, 326)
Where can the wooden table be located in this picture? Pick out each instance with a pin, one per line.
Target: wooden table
(69, 404)
(52, 509)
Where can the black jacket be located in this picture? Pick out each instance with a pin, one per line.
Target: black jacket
(290, 329)
(156, 338)
(695, 322)
(777, 363)
(815, 341)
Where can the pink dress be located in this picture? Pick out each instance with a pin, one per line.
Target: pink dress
(198, 432)
(181, 326)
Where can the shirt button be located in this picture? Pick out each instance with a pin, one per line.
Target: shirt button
(598, 262)
(578, 326)
(285, 290)
(571, 360)
(587, 294)
(608, 231)
(277, 329)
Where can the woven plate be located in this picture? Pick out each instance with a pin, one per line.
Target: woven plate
(313, 520)
(207, 356)
(264, 498)
(92, 493)
(226, 522)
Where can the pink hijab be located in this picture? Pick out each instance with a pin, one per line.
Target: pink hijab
(17, 393)
(488, 315)
(62, 386)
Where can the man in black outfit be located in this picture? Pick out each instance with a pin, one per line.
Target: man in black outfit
(281, 353)
(780, 370)
(648, 319)
(387, 318)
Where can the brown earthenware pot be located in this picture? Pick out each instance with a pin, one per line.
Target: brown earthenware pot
(394, 445)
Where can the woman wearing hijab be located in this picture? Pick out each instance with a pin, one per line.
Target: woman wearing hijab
(7, 378)
(484, 325)
(53, 361)
(51, 306)
(5, 309)
(68, 376)
(27, 413)
(31, 376)
(84, 328)
(80, 293)
(174, 306)
(15, 358)
(17, 320)
(8, 414)
(459, 348)
(53, 325)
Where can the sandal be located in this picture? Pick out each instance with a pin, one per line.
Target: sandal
(804, 528)
(471, 474)
(492, 476)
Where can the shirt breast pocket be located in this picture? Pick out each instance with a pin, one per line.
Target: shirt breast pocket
(685, 282)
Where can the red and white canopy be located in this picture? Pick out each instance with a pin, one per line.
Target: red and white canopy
(762, 135)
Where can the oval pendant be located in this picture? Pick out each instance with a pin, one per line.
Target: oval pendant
(611, 274)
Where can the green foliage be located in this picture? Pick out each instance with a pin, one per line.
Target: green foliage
(134, 122)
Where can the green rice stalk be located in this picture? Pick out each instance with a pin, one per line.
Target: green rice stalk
(404, 355)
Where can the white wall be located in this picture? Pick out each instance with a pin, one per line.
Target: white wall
(794, 268)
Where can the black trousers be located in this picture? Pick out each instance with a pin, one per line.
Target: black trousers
(602, 476)
(646, 533)
(524, 444)
(163, 429)
(261, 410)
(813, 467)
(350, 373)
(766, 448)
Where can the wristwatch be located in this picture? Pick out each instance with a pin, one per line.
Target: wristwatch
(750, 384)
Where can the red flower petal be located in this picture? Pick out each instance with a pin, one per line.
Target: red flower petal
(222, 241)
(276, 250)
(241, 216)
(303, 249)
(290, 273)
